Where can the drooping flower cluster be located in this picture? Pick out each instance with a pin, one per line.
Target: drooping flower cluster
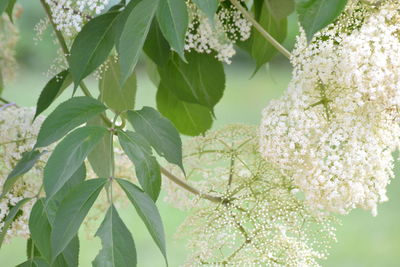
(18, 135)
(9, 36)
(337, 125)
(260, 220)
(218, 35)
(70, 15)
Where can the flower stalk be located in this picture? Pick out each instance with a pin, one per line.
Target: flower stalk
(261, 30)
(190, 188)
(4, 100)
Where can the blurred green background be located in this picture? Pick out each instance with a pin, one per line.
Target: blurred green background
(363, 240)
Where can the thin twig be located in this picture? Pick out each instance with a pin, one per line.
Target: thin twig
(191, 189)
(260, 29)
(4, 100)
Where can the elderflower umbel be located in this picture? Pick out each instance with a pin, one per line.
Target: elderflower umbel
(70, 15)
(18, 135)
(263, 221)
(336, 126)
(219, 35)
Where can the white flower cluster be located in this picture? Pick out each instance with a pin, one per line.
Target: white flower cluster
(336, 127)
(18, 135)
(70, 15)
(261, 220)
(219, 35)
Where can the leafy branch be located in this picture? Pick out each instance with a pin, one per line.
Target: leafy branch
(168, 175)
(86, 91)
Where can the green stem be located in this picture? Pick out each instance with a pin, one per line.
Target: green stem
(231, 169)
(112, 158)
(260, 29)
(113, 125)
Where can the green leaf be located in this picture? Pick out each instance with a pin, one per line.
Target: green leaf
(70, 255)
(134, 35)
(117, 96)
(42, 217)
(24, 165)
(54, 203)
(31, 250)
(40, 229)
(14, 212)
(36, 262)
(209, 7)
(66, 117)
(68, 156)
(118, 6)
(173, 19)
(148, 211)
(280, 9)
(72, 212)
(119, 24)
(3, 5)
(190, 119)
(156, 47)
(315, 15)
(152, 71)
(92, 46)
(201, 81)
(159, 132)
(10, 9)
(52, 90)
(147, 168)
(261, 50)
(69, 258)
(118, 245)
(100, 157)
